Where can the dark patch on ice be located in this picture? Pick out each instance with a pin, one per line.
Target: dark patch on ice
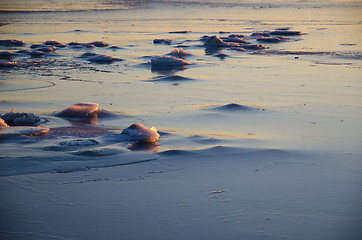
(167, 71)
(283, 28)
(115, 48)
(180, 32)
(237, 35)
(163, 40)
(36, 46)
(211, 50)
(175, 153)
(222, 56)
(235, 107)
(283, 52)
(182, 46)
(348, 44)
(173, 78)
(98, 152)
(286, 33)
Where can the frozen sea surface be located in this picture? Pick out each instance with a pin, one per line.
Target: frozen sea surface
(254, 143)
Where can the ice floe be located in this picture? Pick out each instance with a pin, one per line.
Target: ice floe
(179, 52)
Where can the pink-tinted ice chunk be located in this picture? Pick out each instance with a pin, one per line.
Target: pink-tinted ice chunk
(138, 132)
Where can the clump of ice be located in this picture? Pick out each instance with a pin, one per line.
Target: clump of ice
(234, 39)
(20, 119)
(3, 123)
(6, 55)
(179, 52)
(138, 132)
(103, 59)
(168, 61)
(52, 42)
(36, 53)
(215, 41)
(99, 44)
(78, 44)
(85, 109)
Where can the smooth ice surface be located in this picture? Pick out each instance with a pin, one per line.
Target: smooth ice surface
(253, 141)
